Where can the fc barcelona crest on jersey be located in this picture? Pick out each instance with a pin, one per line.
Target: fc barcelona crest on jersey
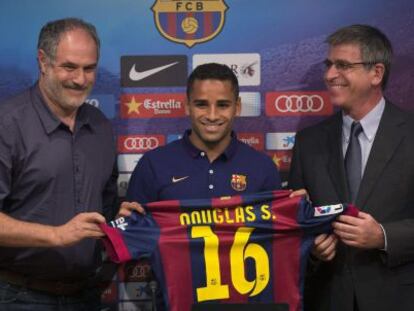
(238, 182)
(188, 21)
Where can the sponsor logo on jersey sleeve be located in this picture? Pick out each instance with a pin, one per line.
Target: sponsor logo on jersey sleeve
(328, 210)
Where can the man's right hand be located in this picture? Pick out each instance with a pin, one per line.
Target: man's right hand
(325, 247)
(82, 226)
(127, 208)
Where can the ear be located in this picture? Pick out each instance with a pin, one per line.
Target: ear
(378, 74)
(238, 106)
(43, 60)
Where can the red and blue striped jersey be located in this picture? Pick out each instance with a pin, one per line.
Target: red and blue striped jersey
(248, 248)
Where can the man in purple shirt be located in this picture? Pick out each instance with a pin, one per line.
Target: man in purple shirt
(57, 177)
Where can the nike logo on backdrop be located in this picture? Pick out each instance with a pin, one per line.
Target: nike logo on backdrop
(175, 180)
(135, 75)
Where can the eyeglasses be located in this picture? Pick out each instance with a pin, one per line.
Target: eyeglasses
(341, 65)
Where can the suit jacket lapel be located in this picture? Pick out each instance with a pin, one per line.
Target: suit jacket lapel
(386, 141)
(335, 161)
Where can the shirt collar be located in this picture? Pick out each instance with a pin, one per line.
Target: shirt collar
(369, 123)
(49, 121)
(195, 152)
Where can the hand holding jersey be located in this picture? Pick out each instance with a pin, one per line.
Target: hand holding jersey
(126, 209)
(362, 231)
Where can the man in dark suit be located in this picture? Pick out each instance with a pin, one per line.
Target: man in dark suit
(363, 154)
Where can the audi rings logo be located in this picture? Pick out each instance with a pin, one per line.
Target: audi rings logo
(139, 144)
(298, 103)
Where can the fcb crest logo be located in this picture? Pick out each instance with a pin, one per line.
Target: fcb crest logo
(189, 22)
(238, 182)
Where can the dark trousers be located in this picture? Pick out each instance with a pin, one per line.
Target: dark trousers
(15, 298)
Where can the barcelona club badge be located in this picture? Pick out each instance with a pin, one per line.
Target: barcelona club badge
(238, 182)
(189, 22)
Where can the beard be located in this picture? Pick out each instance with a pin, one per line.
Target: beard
(59, 92)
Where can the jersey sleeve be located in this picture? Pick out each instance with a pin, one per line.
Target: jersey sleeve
(318, 219)
(131, 237)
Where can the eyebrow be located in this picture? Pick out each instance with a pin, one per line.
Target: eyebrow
(71, 64)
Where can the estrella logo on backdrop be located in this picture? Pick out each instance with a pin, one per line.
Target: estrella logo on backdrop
(153, 105)
(189, 22)
(254, 140)
(298, 103)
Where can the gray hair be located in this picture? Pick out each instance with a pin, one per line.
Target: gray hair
(51, 33)
(374, 45)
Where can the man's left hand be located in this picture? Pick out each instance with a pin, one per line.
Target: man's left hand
(127, 208)
(362, 231)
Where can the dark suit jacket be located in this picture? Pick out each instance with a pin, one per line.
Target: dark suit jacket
(380, 280)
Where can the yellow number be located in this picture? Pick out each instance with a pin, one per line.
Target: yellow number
(239, 252)
(213, 289)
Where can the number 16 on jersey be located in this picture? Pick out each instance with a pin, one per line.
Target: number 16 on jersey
(240, 251)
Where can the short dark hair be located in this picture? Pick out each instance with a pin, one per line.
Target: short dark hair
(374, 45)
(50, 34)
(213, 71)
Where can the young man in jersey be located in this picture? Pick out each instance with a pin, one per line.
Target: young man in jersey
(209, 161)
(372, 267)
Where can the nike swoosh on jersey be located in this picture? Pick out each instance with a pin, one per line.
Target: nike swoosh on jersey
(135, 75)
(174, 180)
